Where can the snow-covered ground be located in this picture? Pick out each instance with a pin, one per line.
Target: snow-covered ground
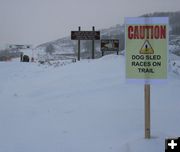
(83, 107)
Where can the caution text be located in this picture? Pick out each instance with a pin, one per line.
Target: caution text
(147, 32)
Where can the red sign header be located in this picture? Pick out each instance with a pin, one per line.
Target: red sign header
(147, 32)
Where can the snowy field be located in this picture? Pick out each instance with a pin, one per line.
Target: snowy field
(83, 107)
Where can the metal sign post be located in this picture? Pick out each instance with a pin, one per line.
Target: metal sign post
(147, 111)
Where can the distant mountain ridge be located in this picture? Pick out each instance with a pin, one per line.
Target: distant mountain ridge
(174, 21)
(67, 46)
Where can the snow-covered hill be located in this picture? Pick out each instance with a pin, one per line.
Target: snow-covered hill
(83, 107)
(66, 46)
(60, 46)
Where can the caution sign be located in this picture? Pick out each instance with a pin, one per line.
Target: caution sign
(146, 48)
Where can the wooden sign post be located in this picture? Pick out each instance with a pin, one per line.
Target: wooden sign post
(93, 29)
(79, 46)
(147, 111)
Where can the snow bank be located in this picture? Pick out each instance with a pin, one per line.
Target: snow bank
(82, 107)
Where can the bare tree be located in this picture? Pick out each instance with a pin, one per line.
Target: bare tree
(50, 49)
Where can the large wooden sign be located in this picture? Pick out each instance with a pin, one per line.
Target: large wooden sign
(85, 35)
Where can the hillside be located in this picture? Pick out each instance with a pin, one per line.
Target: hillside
(66, 49)
(67, 46)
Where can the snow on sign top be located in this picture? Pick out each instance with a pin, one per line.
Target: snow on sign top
(146, 48)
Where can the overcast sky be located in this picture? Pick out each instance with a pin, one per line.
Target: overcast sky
(38, 21)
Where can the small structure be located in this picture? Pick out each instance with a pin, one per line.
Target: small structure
(24, 58)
